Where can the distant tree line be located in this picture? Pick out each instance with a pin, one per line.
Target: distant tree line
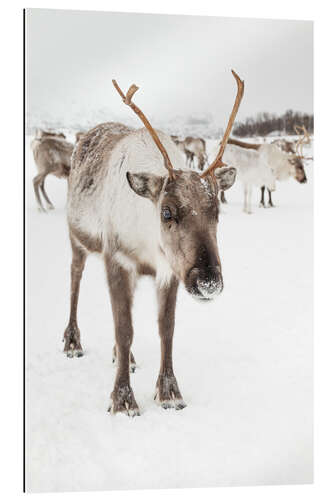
(265, 123)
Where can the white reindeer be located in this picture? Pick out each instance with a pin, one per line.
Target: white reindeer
(283, 165)
(252, 170)
(123, 205)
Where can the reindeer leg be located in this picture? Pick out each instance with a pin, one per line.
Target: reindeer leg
(50, 205)
(223, 198)
(262, 201)
(192, 160)
(72, 333)
(270, 202)
(121, 287)
(36, 183)
(249, 200)
(167, 392)
(245, 198)
(133, 365)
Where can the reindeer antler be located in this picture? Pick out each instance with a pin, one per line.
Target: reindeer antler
(302, 140)
(128, 100)
(218, 160)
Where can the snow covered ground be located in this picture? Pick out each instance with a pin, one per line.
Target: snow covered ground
(243, 362)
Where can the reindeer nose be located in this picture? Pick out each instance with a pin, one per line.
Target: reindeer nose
(205, 283)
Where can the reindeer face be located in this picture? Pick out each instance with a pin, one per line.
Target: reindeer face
(187, 209)
(298, 171)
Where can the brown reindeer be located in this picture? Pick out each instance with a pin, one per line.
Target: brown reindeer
(49, 133)
(52, 155)
(192, 147)
(132, 200)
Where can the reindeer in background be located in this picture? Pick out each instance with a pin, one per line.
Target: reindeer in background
(192, 147)
(52, 155)
(283, 165)
(132, 200)
(40, 134)
(284, 145)
(295, 157)
(290, 146)
(252, 171)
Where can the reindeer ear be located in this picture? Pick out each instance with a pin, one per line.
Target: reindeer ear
(147, 185)
(225, 177)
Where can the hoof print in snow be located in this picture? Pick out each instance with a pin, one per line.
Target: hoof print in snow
(123, 401)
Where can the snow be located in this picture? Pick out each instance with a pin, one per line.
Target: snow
(243, 362)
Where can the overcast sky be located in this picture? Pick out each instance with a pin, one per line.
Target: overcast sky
(181, 63)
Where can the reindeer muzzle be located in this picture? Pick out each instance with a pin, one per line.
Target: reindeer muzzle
(205, 283)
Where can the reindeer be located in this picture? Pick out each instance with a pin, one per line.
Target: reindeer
(49, 133)
(284, 145)
(290, 146)
(132, 200)
(52, 155)
(181, 145)
(283, 165)
(251, 171)
(193, 147)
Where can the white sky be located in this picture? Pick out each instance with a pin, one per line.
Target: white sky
(181, 63)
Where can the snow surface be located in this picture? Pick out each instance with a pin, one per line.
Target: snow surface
(243, 362)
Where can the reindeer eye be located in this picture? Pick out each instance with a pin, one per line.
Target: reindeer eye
(166, 212)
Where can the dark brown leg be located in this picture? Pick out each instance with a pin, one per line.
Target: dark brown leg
(167, 392)
(201, 162)
(223, 198)
(72, 333)
(121, 290)
(270, 202)
(133, 365)
(48, 201)
(36, 183)
(192, 160)
(262, 201)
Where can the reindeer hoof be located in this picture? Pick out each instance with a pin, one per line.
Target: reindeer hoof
(73, 348)
(123, 401)
(74, 353)
(167, 394)
(262, 205)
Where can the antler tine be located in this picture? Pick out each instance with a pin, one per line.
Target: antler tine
(127, 99)
(307, 139)
(298, 130)
(218, 160)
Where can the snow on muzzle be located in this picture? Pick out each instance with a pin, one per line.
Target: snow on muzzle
(204, 283)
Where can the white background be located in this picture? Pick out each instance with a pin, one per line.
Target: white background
(11, 366)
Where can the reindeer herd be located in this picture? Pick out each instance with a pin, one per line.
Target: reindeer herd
(145, 202)
(258, 165)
